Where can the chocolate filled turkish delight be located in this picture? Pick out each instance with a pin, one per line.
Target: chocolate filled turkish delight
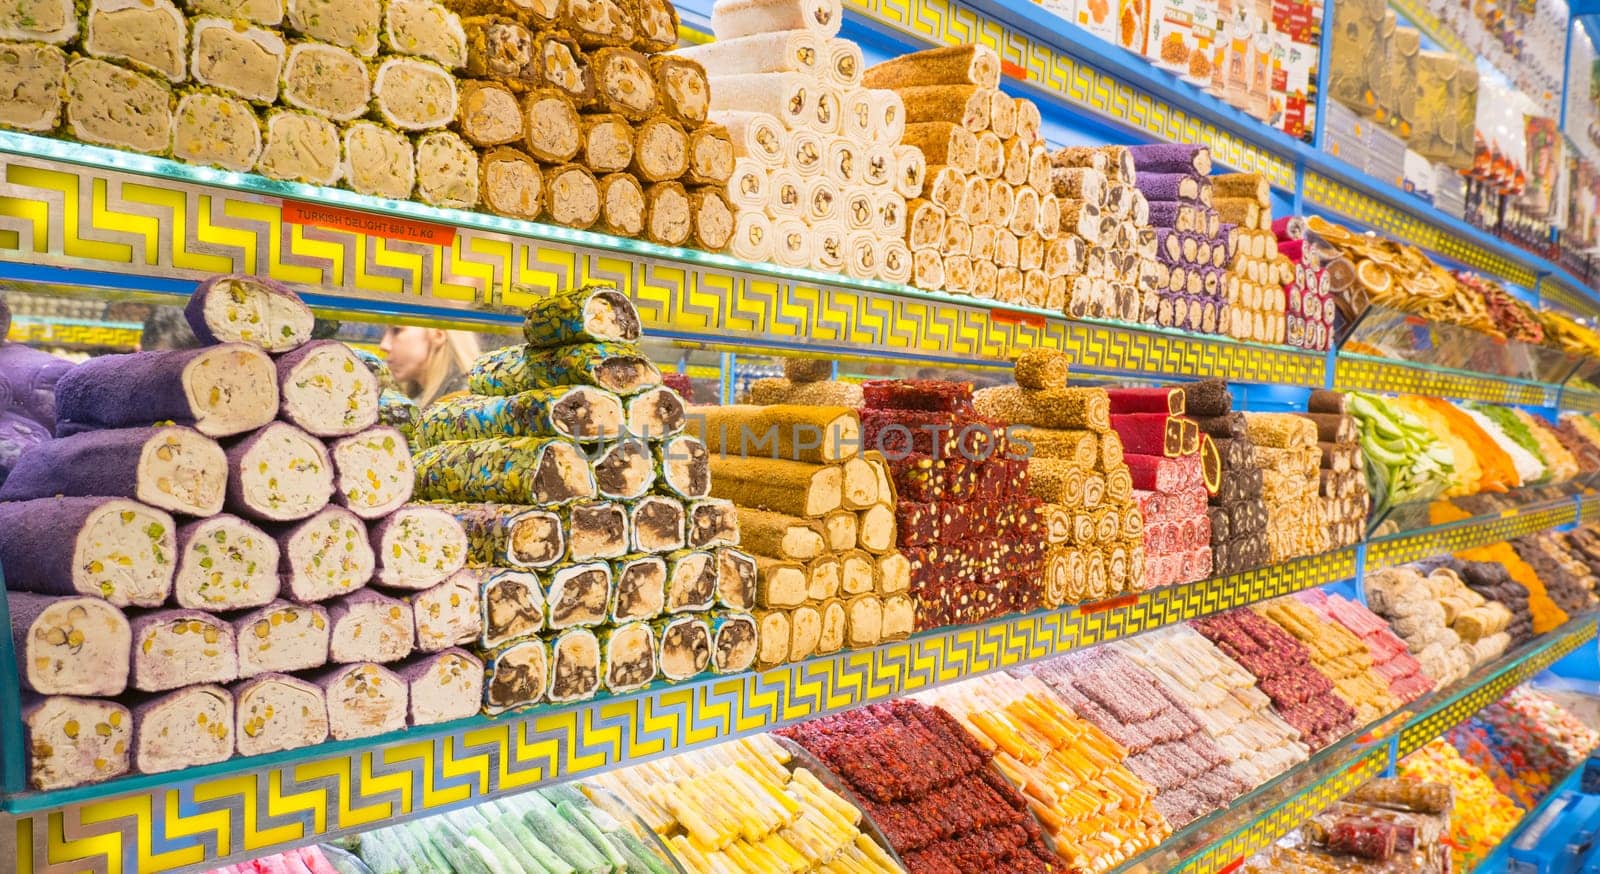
(510, 535)
(582, 413)
(628, 652)
(574, 666)
(641, 586)
(685, 646)
(657, 524)
(579, 595)
(737, 577)
(513, 603)
(624, 470)
(515, 675)
(513, 470)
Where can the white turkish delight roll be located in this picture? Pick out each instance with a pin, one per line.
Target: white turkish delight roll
(280, 474)
(108, 105)
(326, 80)
(37, 77)
(628, 653)
(448, 614)
(225, 563)
(176, 648)
(685, 646)
(640, 592)
(150, 35)
(411, 94)
(282, 637)
(369, 627)
(511, 183)
(326, 555)
(301, 147)
(379, 161)
(69, 645)
(363, 700)
(516, 675)
(276, 712)
(351, 24)
(513, 604)
(182, 729)
(374, 470)
(691, 581)
(73, 741)
(488, 114)
(174, 468)
(45, 21)
(425, 29)
(265, 12)
(578, 595)
(327, 390)
(657, 524)
(574, 666)
(443, 687)
(216, 130)
(447, 171)
(245, 61)
(417, 547)
(109, 548)
(237, 308)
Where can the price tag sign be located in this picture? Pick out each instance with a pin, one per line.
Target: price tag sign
(337, 218)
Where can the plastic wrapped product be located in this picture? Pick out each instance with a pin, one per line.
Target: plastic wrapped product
(596, 530)
(656, 524)
(685, 643)
(733, 641)
(326, 80)
(516, 675)
(501, 49)
(572, 196)
(278, 474)
(218, 390)
(237, 308)
(278, 712)
(511, 183)
(175, 469)
(511, 535)
(514, 470)
(183, 729)
(374, 471)
(447, 171)
(353, 25)
(281, 637)
(442, 687)
(109, 548)
(378, 161)
(425, 29)
(640, 591)
(417, 547)
(175, 648)
(218, 130)
(551, 131)
(623, 83)
(37, 74)
(488, 113)
(628, 653)
(363, 700)
(579, 595)
(73, 741)
(301, 147)
(513, 604)
(70, 645)
(244, 61)
(574, 666)
(448, 614)
(225, 563)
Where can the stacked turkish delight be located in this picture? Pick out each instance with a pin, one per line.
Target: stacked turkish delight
(1223, 698)
(1188, 254)
(1407, 600)
(807, 381)
(1237, 513)
(1259, 274)
(1308, 292)
(242, 495)
(1072, 462)
(1282, 668)
(1094, 809)
(1105, 247)
(28, 378)
(930, 787)
(1338, 654)
(818, 515)
(1167, 746)
(599, 557)
(1391, 659)
(1291, 474)
(1342, 483)
(1175, 470)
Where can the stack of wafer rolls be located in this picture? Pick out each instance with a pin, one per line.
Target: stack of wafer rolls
(217, 555)
(1342, 483)
(1290, 458)
(1308, 295)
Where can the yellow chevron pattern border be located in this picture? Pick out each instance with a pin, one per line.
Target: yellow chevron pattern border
(1579, 401)
(52, 334)
(1361, 373)
(1589, 509)
(1399, 550)
(1556, 291)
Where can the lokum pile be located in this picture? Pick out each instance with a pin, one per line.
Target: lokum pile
(305, 860)
(28, 378)
(1391, 659)
(1337, 654)
(1237, 513)
(242, 496)
(1282, 667)
(1389, 824)
(1106, 251)
(1287, 450)
(819, 516)
(1167, 746)
(1481, 817)
(599, 558)
(1568, 582)
(748, 807)
(1265, 302)
(1421, 610)
(1308, 294)
(930, 787)
(1175, 469)
(1343, 483)
(809, 382)
(1487, 571)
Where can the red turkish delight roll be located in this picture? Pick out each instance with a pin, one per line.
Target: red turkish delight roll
(930, 395)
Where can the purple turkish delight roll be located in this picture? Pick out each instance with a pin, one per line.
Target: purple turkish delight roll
(417, 547)
(282, 637)
(369, 627)
(174, 468)
(18, 434)
(219, 390)
(1171, 158)
(72, 645)
(324, 556)
(1158, 187)
(443, 687)
(176, 648)
(449, 614)
(374, 472)
(181, 729)
(364, 699)
(110, 548)
(249, 309)
(28, 378)
(327, 390)
(73, 741)
(278, 474)
(225, 563)
(275, 712)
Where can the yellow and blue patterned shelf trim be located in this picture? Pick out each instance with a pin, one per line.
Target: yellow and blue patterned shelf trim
(1469, 533)
(1365, 373)
(48, 333)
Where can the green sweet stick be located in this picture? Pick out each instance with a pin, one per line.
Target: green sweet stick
(510, 535)
(506, 470)
(575, 817)
(545, 822)
(580, 412)
(616, 367)
(586, 314)
(451, 841)
(431, 858)
(533, 851)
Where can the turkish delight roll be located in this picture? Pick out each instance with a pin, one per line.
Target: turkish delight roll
(363, 700)
(175, 469)
(640, 591)
(374, 473)
(575, 664)
(216, 129)
(245, 61)
(448, 614)
(551, 130)
(379, 161)
(511, 183)
(325, 555)
(618, 367)
(238, 308)
(39, 21)
(279, 474)
(218, 390)
(501, 49)
(173, 648)
(425, 29)
(73, 741)
(628, 653)
(70, 645)
(111, 106)
(443, 687)
(598, 22)
(514, 470)
(594, 313)
(656, 414)
(596, 530)
(682, 88)
(656, 524)
(326, 80)
(805, 632)
(660, 151)
(511, 535)
(110, 548)
(685, 646)
(488, 113)
(563, 66)
(447, 171)
(624, 470)
(36, 75)
(369, 627)
(691, 581)
(182, 729)
(733, 641)
(684, 466)
(351, 24)
(513, 604)
(275, 712)
(736, 18)
(416, 547)
(607, 143)
(622, 205)
(713, 522)
(282, 637)
(623, 82)
(301, 147)
(572, 196)
(516, 675)
(772, 638)
(579, 595)
(711, 155)
(656, 23)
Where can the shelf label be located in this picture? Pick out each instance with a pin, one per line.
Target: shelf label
(1014, 70)
(389, 227)
(1011, 317)
(1109, 604)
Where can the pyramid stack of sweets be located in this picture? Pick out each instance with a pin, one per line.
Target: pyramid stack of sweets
(1406, 599)
(748, 807)
(1302, 696)
(1338, 654)
(1106, 249)
(1308, 293)
(1569, 582)
(808, 382)
(930, 787)
(1175, 469)
(1342, 480)
(818, 515)
(1167, 746)
(1096, 812)
(820, 175)
(1223, 698)
(217, 556)
(1391, 660)
(1287, 451)
(1237, 513)
(1091, 526)
(600, 558)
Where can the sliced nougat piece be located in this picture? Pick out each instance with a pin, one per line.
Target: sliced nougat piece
(660, 150)
(516, 675)
(448, 614)
(562, 66)
(551, 130)
(175, 648)
(622, 205)
(578, 595)
(488, 114)
(109, 548)
(628, 653)
(426, 29)
(513, 604)
(217, 130)
(370, 627)
(641, 588)
(623, 82)
(598, 23)
(326, 80)
(108, 105)
(443, 687)
(511, 183)
(281, 637)
(417, 547)
(46, 21)
(278, 474)
(275, 712)
(71, 645)
(373, 471)
(73, 741)
(734, 642)
(326, 390)
(447, 171)
(244, 61)
(607, 143)
(324, 556)
(184, 728)
(363, 700)
(411, 94)
(572, 196)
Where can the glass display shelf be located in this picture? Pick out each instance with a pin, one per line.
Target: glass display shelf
(1414, 516)
(1383, 332)
(1496, 863)
(1425, 540)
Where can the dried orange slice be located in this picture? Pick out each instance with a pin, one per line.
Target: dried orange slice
(1372, 277)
